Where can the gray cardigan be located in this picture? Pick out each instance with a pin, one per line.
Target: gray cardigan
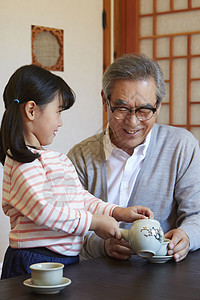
(168, 182)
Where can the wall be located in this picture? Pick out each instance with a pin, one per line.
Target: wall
(81, 22)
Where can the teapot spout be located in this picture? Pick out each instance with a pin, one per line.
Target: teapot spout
(124, 233)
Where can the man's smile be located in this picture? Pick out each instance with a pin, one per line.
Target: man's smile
(132, 131)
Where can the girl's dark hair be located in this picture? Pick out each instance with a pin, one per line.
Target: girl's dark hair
(34, 83)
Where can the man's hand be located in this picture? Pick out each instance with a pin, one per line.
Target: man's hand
(179, 244)
(118, 249)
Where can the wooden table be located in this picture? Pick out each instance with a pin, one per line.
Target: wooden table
(107, 278)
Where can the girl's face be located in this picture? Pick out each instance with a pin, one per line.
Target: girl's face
(42, 123)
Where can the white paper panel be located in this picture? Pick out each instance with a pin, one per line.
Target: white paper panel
(195, 67)
(195, 92)
(178, 22)
(146, 47)
(180, 46)
(163, 117)
(195, 44)
(166, 99)
(179, 91)
(146, 26)
(163, 5)
(195, 3)
(196, 132)
(46, 49)
(162, 47)
(195, 114)
(146, 6)
(164, 64)
(180, 4)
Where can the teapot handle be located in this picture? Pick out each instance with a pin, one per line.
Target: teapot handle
(124, 233)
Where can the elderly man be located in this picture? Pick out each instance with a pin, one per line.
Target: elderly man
(136, 161)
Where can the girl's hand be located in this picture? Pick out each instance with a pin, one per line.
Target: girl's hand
(105, 227)
(130, 214)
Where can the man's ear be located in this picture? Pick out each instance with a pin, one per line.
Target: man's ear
(104, 101)
(158, 109)
(30, 109)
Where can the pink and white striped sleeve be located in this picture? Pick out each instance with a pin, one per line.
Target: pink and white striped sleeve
(29, 191)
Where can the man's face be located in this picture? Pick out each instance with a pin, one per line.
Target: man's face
(129, 132)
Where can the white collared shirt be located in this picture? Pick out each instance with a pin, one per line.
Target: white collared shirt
(122, 169)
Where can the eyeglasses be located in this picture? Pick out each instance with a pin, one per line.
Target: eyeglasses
(142, 113)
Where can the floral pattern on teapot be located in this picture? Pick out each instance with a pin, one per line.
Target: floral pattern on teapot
(156, 232)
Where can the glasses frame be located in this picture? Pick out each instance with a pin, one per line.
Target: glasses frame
(135, 110)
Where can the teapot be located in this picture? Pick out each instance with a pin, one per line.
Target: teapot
(145, 237)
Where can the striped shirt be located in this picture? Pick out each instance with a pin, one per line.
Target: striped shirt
(47, 204)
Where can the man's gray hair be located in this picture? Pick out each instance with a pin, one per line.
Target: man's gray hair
(134, 67)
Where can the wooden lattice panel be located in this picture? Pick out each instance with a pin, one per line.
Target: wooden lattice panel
(169, 31)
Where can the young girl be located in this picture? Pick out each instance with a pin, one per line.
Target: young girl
(49, 210)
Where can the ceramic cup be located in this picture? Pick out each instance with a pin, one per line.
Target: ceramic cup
(145, 237)
(164, 248)
(47, 273)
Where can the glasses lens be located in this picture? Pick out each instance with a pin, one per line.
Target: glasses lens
(144, 114)
(121, 112)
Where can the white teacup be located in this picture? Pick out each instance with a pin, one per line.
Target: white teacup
(47, 273)
(145, 237)
(164, 248)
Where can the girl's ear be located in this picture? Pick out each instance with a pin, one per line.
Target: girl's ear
(30, 109)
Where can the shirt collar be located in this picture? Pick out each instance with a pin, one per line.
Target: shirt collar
(109, 146)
